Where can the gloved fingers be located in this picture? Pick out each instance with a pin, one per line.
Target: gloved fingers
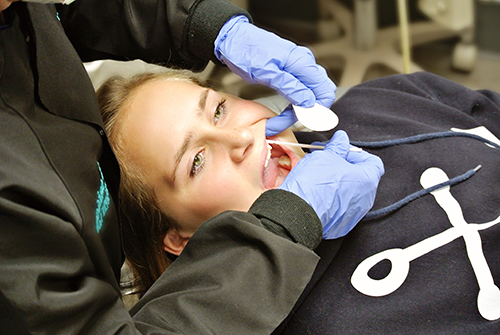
(323, 144)
(371, 163)
(286, 84)
(279, 123)
(339, 143)
(302, 65)
(361, 158)
(356, 157)
(259, 56)
(325, 93)
(318, 144)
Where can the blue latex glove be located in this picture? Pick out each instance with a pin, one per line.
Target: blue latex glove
(280, 122)
(340, 185)
(261, 57)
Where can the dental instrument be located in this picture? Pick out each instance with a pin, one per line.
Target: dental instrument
(309, 146)
(317, 118)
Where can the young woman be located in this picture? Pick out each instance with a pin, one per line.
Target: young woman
(428, 131)
(187, 153)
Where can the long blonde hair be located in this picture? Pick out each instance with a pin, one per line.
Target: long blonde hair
(144, 225)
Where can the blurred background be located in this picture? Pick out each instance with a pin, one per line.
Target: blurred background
(358, 40)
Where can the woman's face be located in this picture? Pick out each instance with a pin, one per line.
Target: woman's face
(203, 151)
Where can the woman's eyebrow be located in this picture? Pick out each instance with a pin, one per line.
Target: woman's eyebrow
(187, 139)
(181, 152)
(203, 100)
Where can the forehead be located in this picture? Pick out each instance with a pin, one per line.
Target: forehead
(162, 100)
(174, 91)
(157, 116)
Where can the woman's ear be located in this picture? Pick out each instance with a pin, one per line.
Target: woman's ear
(175, 241)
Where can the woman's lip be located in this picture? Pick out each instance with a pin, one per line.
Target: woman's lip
(265, 151)
(263, 155)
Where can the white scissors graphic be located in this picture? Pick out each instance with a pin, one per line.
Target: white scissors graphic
(488, 300)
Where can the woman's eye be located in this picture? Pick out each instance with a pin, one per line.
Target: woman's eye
(220, 111)
(198, 164)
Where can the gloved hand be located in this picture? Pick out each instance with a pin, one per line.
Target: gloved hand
(340, 185)
(261, 57)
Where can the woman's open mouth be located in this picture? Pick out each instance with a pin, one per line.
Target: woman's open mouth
(278, 163)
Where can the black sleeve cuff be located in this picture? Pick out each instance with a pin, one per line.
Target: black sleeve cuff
(205, 20)
(289, 216)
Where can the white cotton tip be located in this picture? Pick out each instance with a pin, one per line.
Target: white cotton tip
(317, 118)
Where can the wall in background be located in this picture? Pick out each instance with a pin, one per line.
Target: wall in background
(296, 19)
(487, 25)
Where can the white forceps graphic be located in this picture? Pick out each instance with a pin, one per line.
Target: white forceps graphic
(488, 300)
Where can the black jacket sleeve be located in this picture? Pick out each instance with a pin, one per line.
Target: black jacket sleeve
(178, 33)
(242, 279)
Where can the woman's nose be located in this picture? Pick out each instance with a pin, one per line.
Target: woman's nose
(237, 141)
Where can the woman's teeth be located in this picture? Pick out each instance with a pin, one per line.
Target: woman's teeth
(268, 154)
(285, 162)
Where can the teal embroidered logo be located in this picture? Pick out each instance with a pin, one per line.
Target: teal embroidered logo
(102, 202)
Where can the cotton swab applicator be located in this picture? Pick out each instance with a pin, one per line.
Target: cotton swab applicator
(308, 146)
